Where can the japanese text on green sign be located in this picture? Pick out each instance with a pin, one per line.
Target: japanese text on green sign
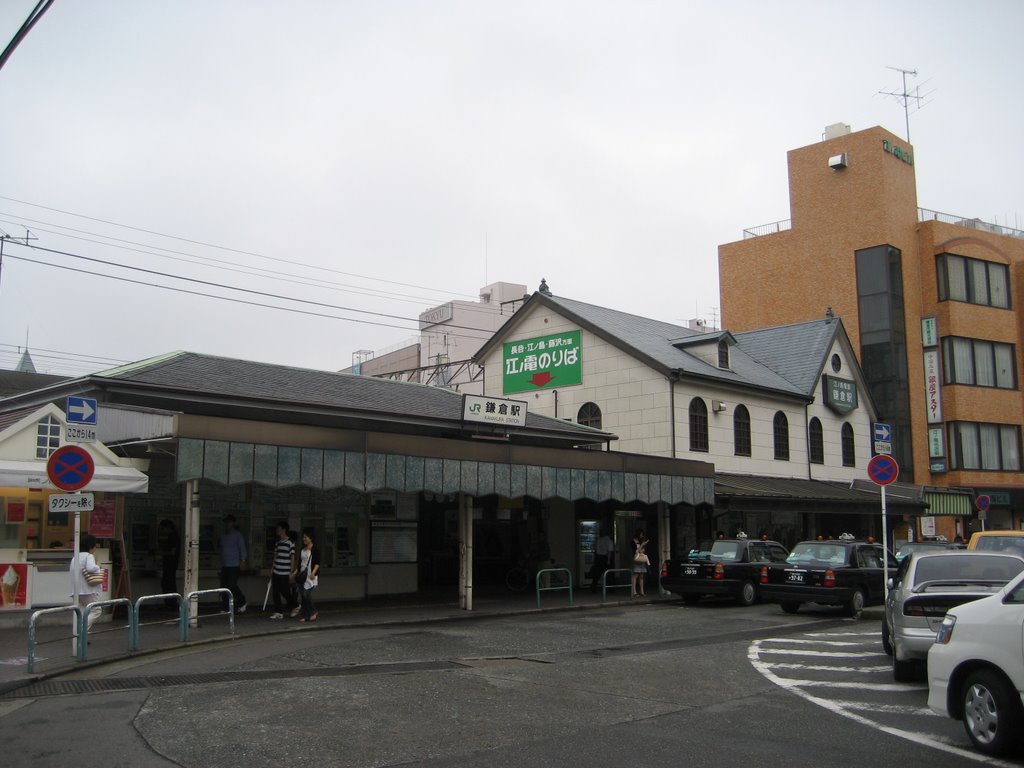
(545, 362)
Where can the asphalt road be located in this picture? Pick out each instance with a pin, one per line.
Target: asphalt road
(645, 685)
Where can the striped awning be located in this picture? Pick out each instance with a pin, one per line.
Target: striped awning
(949, 504)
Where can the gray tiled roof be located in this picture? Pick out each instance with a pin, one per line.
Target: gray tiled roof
(655, 341)
(796, 351)
(281, 386)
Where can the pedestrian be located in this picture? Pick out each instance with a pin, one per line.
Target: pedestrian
(308, 575)
(641, 562)
(232, 556)
(282, 577)
(604, 549)
(169, 544)
(80, 571)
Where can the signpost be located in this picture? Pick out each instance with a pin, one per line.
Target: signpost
(70, 468)
(81, 420)
(881, 438)
(884, 470)
(982, 504)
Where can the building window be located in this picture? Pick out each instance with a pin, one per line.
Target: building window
(816, 441)
(837, 363)
(979, 363)
(723, 354)
(47, 437)
(984, 446)
(973, 281)
(741, 431)
(589, 416)
(849, 446)
(780, 430)
(698, 425)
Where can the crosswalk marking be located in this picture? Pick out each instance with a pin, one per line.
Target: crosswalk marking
(832, 654)
(887, 668)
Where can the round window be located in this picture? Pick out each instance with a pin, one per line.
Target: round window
(837, 364)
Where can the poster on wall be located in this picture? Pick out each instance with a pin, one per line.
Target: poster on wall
(101, 519)
(14, 511)
(545, 362)
(13, 585)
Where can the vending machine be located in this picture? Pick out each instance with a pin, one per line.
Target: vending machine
(586, 538)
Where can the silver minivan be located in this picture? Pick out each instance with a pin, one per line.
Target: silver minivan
(926, 585)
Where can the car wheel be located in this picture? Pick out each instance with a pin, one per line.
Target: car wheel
(748, 594)
(886, 642)
(789, 606)
(856, 604)
(903, 671)
(691, 599)
(992, 712)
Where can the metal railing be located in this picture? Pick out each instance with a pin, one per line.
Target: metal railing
(560, 588)
(925, 214)
(768, 229)
(133, 642)
(82, 641)
(604, 581)
(230, 612)
(83, 621)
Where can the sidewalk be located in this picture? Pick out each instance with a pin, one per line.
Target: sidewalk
(160, 629)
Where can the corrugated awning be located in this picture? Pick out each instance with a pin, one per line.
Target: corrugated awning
(279, 466)
(949, 504)
(824, 492)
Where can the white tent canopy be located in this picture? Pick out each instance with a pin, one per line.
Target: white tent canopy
(32, 474)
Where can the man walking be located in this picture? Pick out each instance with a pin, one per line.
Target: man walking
(281, 573)
(232, 556)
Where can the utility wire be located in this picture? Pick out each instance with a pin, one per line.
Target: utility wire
(37, 13)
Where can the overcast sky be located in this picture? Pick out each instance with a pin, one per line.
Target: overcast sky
(388, 156)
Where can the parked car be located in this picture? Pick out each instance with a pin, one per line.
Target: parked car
(976, 669)
(998, 541)
(925, 587)
(844, 572)
(925, 546)
(728, 567)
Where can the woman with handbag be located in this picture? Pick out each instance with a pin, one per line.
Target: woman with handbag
(308, 574)
(641, 562)
(87, 572)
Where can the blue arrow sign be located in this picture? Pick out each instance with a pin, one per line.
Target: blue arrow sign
(882, 432)
(81, 410)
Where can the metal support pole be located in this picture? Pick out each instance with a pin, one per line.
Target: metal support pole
(192, 547)
(465, 552)
(885, 548)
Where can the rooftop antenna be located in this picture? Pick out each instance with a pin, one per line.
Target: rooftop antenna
(904, 97)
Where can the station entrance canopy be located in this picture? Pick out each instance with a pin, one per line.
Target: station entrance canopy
(476, 470)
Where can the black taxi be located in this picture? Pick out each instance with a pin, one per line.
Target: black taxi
(846, 572)
(728, 567)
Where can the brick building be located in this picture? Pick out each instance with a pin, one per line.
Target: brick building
(930, 304)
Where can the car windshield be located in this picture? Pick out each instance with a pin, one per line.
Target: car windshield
(818, 551)
(1012, 544)
(972, 568)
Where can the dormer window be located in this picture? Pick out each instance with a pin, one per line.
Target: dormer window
(47, 437)
(723, 354)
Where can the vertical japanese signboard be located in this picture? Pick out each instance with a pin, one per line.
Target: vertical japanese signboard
(545, 362)
(933, 391)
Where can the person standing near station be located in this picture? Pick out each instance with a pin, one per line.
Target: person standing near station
(308, 576)
(281, 579)
(604, 549)
(232, 556)
(87, 593)
(641, 562)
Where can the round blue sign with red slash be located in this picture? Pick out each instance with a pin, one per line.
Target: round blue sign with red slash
(883, 470)
(70, 468)
(982, 503)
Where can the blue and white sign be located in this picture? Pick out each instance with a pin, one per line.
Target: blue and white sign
(81, 410)
(881, 442)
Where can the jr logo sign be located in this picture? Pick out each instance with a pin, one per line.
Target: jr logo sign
(546, 362)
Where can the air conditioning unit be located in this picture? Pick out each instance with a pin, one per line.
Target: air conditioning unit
(837, 162)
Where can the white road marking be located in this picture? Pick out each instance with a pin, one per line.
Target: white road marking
(888, 709)
(826, 667)
(820, 654)
(856, 685)
(798, 641)
(754, 652)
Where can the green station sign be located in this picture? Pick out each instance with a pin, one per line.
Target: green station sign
(546, 362)
(840, 394)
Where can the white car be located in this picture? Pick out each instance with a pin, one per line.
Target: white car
(976, 669)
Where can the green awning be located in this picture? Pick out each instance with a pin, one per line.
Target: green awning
(949, 504)
(231, 463)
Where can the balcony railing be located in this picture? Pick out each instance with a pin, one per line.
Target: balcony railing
(768, 229)
(924, 214)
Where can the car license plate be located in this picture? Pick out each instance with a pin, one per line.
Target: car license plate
(795, 577)
(690, 570)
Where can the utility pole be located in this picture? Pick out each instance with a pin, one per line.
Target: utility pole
(4, 237)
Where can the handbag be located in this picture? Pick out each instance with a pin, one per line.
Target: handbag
(93, 578)
(640, 558)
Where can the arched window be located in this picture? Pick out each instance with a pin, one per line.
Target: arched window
(849, 448)
(780, 430)
(741, 431)
(589, 415)
(816, 441)
(698, 425)
(723, 354)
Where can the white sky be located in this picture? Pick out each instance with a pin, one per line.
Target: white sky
(367, 152)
